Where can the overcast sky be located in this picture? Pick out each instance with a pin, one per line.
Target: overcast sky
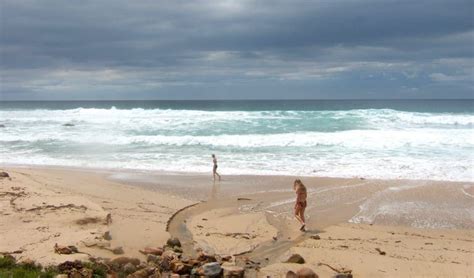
(226, 49)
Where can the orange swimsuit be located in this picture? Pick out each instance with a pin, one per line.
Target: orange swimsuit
(300, 199)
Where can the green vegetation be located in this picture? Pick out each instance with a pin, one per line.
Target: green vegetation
(10, 269)
(99, 271)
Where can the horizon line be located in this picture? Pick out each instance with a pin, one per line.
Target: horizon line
(292, 99)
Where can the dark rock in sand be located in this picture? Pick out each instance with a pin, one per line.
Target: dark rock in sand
(172, 242)
(107, 236)
(152, 250)
(233, 271)
(295, 259)
(291, 274)
(117, 251)
(4, 175)
(68, 124)
(108, 219)
(316, 237)
(65, 249)
(306, 273)
(212, 269)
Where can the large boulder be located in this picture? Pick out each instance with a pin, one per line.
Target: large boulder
(212, 269)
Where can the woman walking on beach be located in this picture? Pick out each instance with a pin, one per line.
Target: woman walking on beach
(300, 205)
(214, 168)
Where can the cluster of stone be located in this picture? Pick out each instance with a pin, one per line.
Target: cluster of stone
(166, 261)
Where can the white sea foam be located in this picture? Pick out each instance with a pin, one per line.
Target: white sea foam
(378, 143)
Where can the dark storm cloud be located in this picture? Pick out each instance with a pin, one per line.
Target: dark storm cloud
(151, 48)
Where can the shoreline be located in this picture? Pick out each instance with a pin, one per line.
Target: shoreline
(148, 173)
(141, 212)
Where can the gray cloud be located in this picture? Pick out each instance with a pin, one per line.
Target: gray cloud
(188, 49)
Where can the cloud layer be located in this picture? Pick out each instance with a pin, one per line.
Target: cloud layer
(236, 49)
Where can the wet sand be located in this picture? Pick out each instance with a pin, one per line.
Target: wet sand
(424, 227)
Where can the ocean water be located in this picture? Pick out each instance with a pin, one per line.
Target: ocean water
(412, 139)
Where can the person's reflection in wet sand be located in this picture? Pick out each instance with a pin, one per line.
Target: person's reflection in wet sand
(214, 191)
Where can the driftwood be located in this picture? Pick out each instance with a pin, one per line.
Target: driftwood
(176, 213)
(338, 270)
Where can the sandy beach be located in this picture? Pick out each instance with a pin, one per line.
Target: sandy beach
(374, 228)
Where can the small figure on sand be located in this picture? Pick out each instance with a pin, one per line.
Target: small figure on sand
(214, 168)
(300, 204)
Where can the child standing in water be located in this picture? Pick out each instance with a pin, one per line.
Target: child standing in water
(214, 168)
(300, 204)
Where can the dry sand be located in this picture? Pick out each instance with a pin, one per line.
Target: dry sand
(41, 207)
